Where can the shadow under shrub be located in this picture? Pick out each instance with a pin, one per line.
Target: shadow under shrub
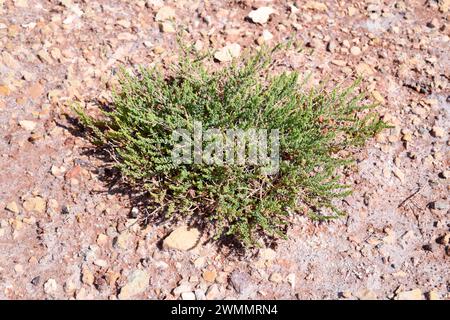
(315, 126)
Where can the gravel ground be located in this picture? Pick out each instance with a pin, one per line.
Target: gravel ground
(66, 233)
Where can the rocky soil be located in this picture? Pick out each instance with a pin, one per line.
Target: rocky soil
(67, 233)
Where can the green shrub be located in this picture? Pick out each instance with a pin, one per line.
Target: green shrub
(316, 128)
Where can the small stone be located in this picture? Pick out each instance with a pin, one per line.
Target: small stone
(18, 268)
(44, 56)
(267, 254)
(13, 207)
(399, 174)
(242, 283)
(356, 51)
(276, 277)
(57, 171)
(4, 91)
(199, 294)
(50, 287)
(378, 97)
(124, 23)
(331, 46)
(352, 11)
(265, 37)
(34, 204)
(261, 15)
(346, 294)
(101, 263)
(415, 294)
(428, 247)
(437, 132)
(439, 205)
(445, 174)
(366, 295)
(123, 240)
(35, 91)
(188, 296)
(445, 239)
(182, 288)
(228, 52)
(87, 276)
(158, 49)
(210, 275)
(35, 280)
(167, 27)
(183, 238)
(165, 13)
(291, 279)
(199, 262)
(363, 69)
(432, 295)
(137, 283)
(21, 3)
(102, 239)
(444, 6)
(315, 5)
(213, 292)
(27, 124)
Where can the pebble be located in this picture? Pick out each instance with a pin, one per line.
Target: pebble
(182, 288)
(291, 279)
(4, 90)
(87, 276)
(432, 295)
(101, 263)
(27, 124)
(165, 13)
(34, 204)
(356, 51)
(265, 37)
(228, 52)
(210, 275)
(267, 254)
(445, 239)
(213, 292)
(50, 286)
(13, 207)
(188, 296)
(44, 56)
(276, 277)
(167, 27)
(440, 205)
(378, 97)
(415, 294)
(366, 295)
(363, 69)
(316, 5)
(437, 132)
(261, 15)
(242, 283)
(123, 240)
(183, 238)
(137, 283)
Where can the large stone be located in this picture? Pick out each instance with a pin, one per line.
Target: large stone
(183, 238)
(137, 283)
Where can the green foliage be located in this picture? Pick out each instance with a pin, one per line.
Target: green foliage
(316, 126)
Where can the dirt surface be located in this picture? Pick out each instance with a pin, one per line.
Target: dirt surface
(66, 233)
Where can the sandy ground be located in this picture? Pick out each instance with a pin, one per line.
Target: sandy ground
(66, 233)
